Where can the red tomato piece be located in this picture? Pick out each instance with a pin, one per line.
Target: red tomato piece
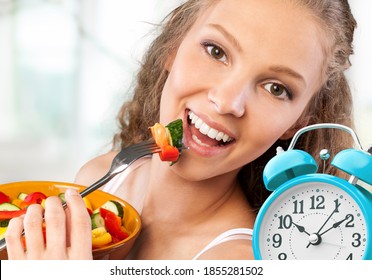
(113, 224)
(7, 215)
(4, 198)
(169, 153)
(35, 197)
(90, 212)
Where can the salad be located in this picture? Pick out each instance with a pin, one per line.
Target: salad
(107, 220)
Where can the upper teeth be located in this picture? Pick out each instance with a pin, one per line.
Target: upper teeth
(206, 130)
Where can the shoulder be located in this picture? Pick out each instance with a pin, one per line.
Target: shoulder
(94, 169)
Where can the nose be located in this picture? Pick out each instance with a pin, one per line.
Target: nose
(229, 98)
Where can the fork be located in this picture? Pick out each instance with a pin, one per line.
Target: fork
(120, 163)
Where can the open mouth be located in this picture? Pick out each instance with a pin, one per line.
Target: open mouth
(206, 136)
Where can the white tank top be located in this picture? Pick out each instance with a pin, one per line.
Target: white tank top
(113, 187)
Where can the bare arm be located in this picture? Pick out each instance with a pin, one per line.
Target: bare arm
(94, 169)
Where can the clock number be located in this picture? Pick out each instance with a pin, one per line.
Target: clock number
(356, 242)
(350, 257)
(285, 222)
(350, 223)
(277, 239)
(337, 205)
(318, 200)
(282, 256)
(298, 207)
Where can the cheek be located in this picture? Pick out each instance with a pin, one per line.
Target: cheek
(183, 77)
(265, 126)
(174, 91)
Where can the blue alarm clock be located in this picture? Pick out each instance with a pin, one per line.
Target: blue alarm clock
(316, 216)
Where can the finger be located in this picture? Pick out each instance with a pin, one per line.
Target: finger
(80, 226)
(33, 222)
(55, 223)
(14, 244)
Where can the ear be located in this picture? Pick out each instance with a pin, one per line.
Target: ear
(301, 123)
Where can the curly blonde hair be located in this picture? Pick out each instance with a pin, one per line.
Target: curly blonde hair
(331, 104)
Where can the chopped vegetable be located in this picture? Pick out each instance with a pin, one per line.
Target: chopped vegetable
(18, 202)
(159, 134)
(35, 197)
(113, 224)
(169, 139)
(22, 196)
(8, 207)
(175, 133)
(97, 220)
(4, 198)
(114, 207)
(9, 214)
(100, 237)
(169, 153)
(2, 232)
(9, 211)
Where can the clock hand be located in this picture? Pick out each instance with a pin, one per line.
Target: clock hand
(318, 237)
(334, 211)
(300, 228)
(335, 225)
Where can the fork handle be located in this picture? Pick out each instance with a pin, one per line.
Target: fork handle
(97, 184)
(93, 187)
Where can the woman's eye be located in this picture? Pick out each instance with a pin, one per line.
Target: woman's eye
(216, 52)
(278, 90)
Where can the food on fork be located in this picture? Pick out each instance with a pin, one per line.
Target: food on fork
(169, 139)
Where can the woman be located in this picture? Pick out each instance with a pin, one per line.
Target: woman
(245, 71)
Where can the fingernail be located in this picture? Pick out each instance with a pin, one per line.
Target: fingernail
(71, 192)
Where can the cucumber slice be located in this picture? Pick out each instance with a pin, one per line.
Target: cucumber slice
(113, 206)
(22, 196)
(62, 197)
(175, 133)
(4, 223)
(6, 206)
(97, 220)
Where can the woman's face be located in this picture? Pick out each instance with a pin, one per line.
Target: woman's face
(240, 80)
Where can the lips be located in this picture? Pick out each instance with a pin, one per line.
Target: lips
(205, 135)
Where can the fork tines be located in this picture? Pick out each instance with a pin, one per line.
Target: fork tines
(146, 146)
(150, 145)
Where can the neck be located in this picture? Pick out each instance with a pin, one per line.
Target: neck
(174, 199)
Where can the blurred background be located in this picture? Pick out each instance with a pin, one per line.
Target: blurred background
(67, 65)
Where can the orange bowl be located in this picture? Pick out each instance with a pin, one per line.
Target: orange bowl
(131, 218)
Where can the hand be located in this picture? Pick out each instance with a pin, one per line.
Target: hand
(337, 224)
(317, 235)
(334, 211)
(68, 234)
(300, 228)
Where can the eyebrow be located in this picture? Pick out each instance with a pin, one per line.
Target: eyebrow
(235, 42)
(228, 35)
(288, 71)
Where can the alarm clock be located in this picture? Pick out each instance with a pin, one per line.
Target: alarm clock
(316, 216)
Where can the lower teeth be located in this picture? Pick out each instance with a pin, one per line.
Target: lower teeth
(197, 140)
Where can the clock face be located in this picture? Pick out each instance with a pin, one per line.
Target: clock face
(313, 220)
